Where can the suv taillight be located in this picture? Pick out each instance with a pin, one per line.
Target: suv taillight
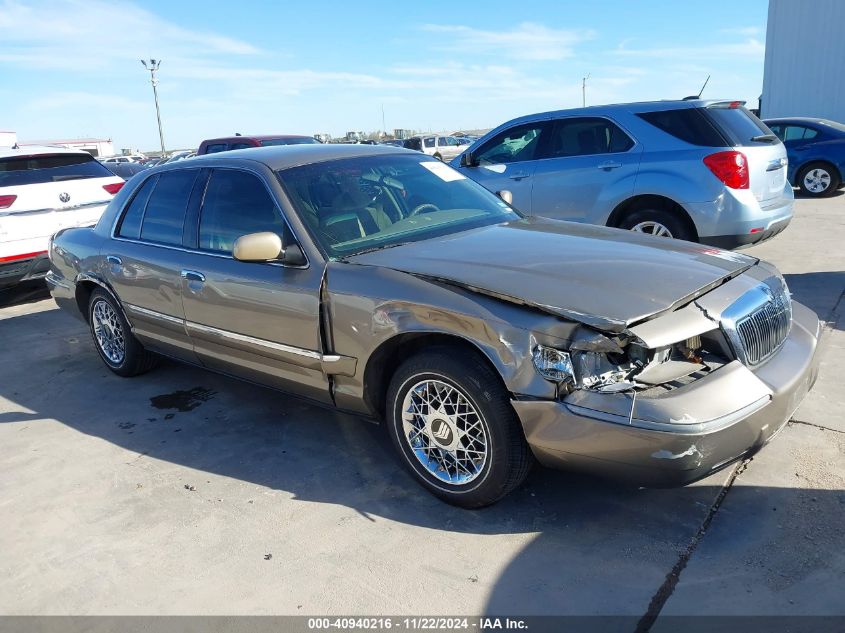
(729, 167)
(6, 201)
(114, 187)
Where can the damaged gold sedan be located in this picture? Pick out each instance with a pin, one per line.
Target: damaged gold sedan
(385, 284)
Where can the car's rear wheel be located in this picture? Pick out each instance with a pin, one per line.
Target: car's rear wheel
(115, 343)
(818, 180)
(438, 156)
(452, 422)
(658, 222)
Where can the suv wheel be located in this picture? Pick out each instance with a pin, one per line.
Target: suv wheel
(451, 420)
(818, 180)
(657, 222)
(117, 346)
(438, 156)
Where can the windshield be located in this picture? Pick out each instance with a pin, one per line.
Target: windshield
(358, 204)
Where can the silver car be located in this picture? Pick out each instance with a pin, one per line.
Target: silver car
(704, 171)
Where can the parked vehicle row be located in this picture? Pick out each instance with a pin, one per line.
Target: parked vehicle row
(385, 283)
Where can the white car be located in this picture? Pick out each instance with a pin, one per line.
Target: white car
(443, 148)
(42, 190)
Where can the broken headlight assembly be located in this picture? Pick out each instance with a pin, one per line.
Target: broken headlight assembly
(623, 367)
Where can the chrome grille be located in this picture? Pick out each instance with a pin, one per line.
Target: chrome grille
(758, 324)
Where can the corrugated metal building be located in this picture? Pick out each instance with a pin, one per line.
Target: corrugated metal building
(805, 60)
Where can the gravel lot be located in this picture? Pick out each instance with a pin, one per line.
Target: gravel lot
(184, 492)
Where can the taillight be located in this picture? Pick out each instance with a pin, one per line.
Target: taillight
(729, 167)
(114, 187)
(6, 201)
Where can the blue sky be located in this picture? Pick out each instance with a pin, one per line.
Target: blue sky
(71, 68)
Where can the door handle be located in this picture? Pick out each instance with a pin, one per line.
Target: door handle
(518, 175)
(114, 260)
(610, 165)
(192, 275)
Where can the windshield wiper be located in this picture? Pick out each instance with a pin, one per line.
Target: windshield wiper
(771, 138)
(374, 248)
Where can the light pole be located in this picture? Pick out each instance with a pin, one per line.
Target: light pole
(584, 90)
(153, 67)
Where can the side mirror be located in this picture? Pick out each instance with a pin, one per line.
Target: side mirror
(468, 160)
(258, 247)
(505, 195)
(266, 247)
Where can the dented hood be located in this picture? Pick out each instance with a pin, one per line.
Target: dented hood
(606, 278)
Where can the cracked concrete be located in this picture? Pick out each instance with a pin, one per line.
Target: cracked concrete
(244, 501)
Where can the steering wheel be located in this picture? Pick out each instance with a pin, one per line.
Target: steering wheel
(419, 209)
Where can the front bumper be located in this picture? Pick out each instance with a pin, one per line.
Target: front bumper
(20, 270)
(682, 435)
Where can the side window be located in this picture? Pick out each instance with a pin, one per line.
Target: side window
(130, 224)
(166, 207)
(236, 203)
(777, 130)
(215, 147)
(516, 144)
(442, 141)
(798, 133)
(429, 142)
(585, 137)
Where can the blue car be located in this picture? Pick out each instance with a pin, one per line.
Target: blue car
(816, 152)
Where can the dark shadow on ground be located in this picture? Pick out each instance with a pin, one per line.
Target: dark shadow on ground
(26, 292)
(818, 291)
(802, 196)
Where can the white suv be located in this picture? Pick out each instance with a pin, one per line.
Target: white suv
(441, 147)
(42, 190)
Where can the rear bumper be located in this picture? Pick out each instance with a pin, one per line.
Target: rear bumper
(681, 435)
(14, 272)
(728, 222)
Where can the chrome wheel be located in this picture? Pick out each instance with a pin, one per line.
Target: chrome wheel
(108, 332)
(652, 228)
(817, 180)
(445, 432)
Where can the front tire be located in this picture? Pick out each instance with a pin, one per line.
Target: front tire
(818, 180)
(113, 339)
(451, 420)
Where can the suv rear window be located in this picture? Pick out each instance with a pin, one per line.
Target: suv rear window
(305, 140)
(687, 124)
(33, 170)
(738, 124)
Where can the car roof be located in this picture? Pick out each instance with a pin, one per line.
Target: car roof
(36, 150)
(255, 137)
(283, 156)
(633, 107)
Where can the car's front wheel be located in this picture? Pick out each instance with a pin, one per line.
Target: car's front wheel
(451, 420)
(117, 346)
(818, 180)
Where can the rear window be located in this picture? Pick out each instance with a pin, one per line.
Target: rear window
(304, 140)
(165, 214)
(33, 170)
(738, 124)
(687, 124)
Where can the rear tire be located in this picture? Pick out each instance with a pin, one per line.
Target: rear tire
(658, 222)
(818, 180)
(438, 157)
(113, 339)
(451, 420)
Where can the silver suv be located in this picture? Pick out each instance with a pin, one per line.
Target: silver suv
(705, 171)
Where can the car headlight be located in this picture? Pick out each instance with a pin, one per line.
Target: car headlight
(553, 364)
